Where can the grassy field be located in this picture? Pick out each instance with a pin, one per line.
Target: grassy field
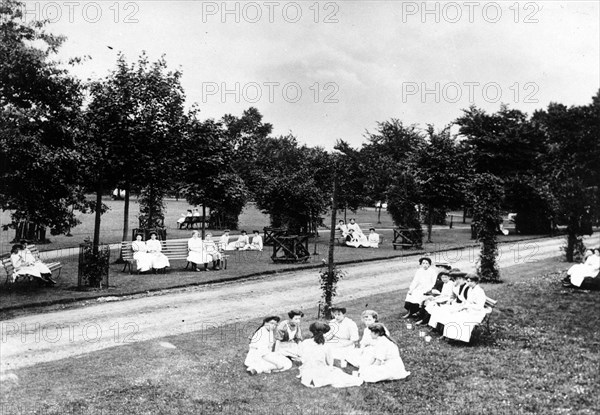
(542, 356)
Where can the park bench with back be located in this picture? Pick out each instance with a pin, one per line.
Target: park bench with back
(9, 269)
(174, 249)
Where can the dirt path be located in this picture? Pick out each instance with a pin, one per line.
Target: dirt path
(33, 339)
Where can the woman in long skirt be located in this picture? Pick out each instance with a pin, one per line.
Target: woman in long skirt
(141, 255)
(317, 368)
(159, 260)
(261, 358)
(386, 363)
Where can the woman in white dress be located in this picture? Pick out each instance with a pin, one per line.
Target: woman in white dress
(29, 258)
(159, 260)
(261, 358)
(342, 228)
(589, 268)
(196, 254)
(241, 242)
(317, 368)
(141, 255)
(364, 352)
(22, 267)
(423, 282)
(459, 324)
(373, 239)
(386, 363)
(257, 242)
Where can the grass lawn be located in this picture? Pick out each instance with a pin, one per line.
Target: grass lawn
(541, 357)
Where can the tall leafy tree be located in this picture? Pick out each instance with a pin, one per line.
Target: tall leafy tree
(39, 121)
(135, 114)
(439, 174)
(573, 171)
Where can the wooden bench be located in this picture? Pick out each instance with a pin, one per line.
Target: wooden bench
(193, 222)
(489, 303)
(10, 269)
(52, 265)
(174, 249)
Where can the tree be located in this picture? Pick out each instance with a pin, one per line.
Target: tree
(40, 120)
(439, 174)
(508, 145)
(486, 191)
(134, 115)
(293, 184)
(572, 164)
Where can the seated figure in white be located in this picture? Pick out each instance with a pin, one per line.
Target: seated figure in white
(31, 259)
(342, 228)
(423, 281)
(212, 252)
(459, 324)
(289, 335)
(440, 312)
(363, 354)
(257, 242)
(196, 253)
(343, 335)
(242, 242)
(224, 240)
(589, 268)
(386, 363)
(261, 358)
(140, 253)
(159, 260)
(373, 239)
(182, 218)
(317, 368)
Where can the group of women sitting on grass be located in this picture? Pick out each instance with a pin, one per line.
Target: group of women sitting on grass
(447, 299)
(353, 235)
(325, 356)
(26, 264)
(587, 274)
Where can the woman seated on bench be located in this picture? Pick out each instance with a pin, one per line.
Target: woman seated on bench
(31, 259)
(24, 268)
(423, 282)
(140, 253)
(589, 269)
(197, 254)
(159, 260)
(212, 252)
(460, 323)
(342, 228)
(181, 220)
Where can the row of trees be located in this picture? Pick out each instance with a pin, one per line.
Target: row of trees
(61, 139)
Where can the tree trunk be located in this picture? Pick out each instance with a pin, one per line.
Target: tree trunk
(379, 215)
(125, 221)
(464, 214)
(96, 241)
(429, 222)
(330, 271)
(150, 220)
(203, 220)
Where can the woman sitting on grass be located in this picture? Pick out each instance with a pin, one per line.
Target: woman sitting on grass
(364, 352)
(159, 260)
(140, 253)
(242, 242)
(386, 363)
(289, 335)
(343, 335)
(261, 358)
(317, 368)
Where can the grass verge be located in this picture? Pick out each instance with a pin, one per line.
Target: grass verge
(541, 357)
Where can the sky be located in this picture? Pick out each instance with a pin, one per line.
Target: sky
(330, 70)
